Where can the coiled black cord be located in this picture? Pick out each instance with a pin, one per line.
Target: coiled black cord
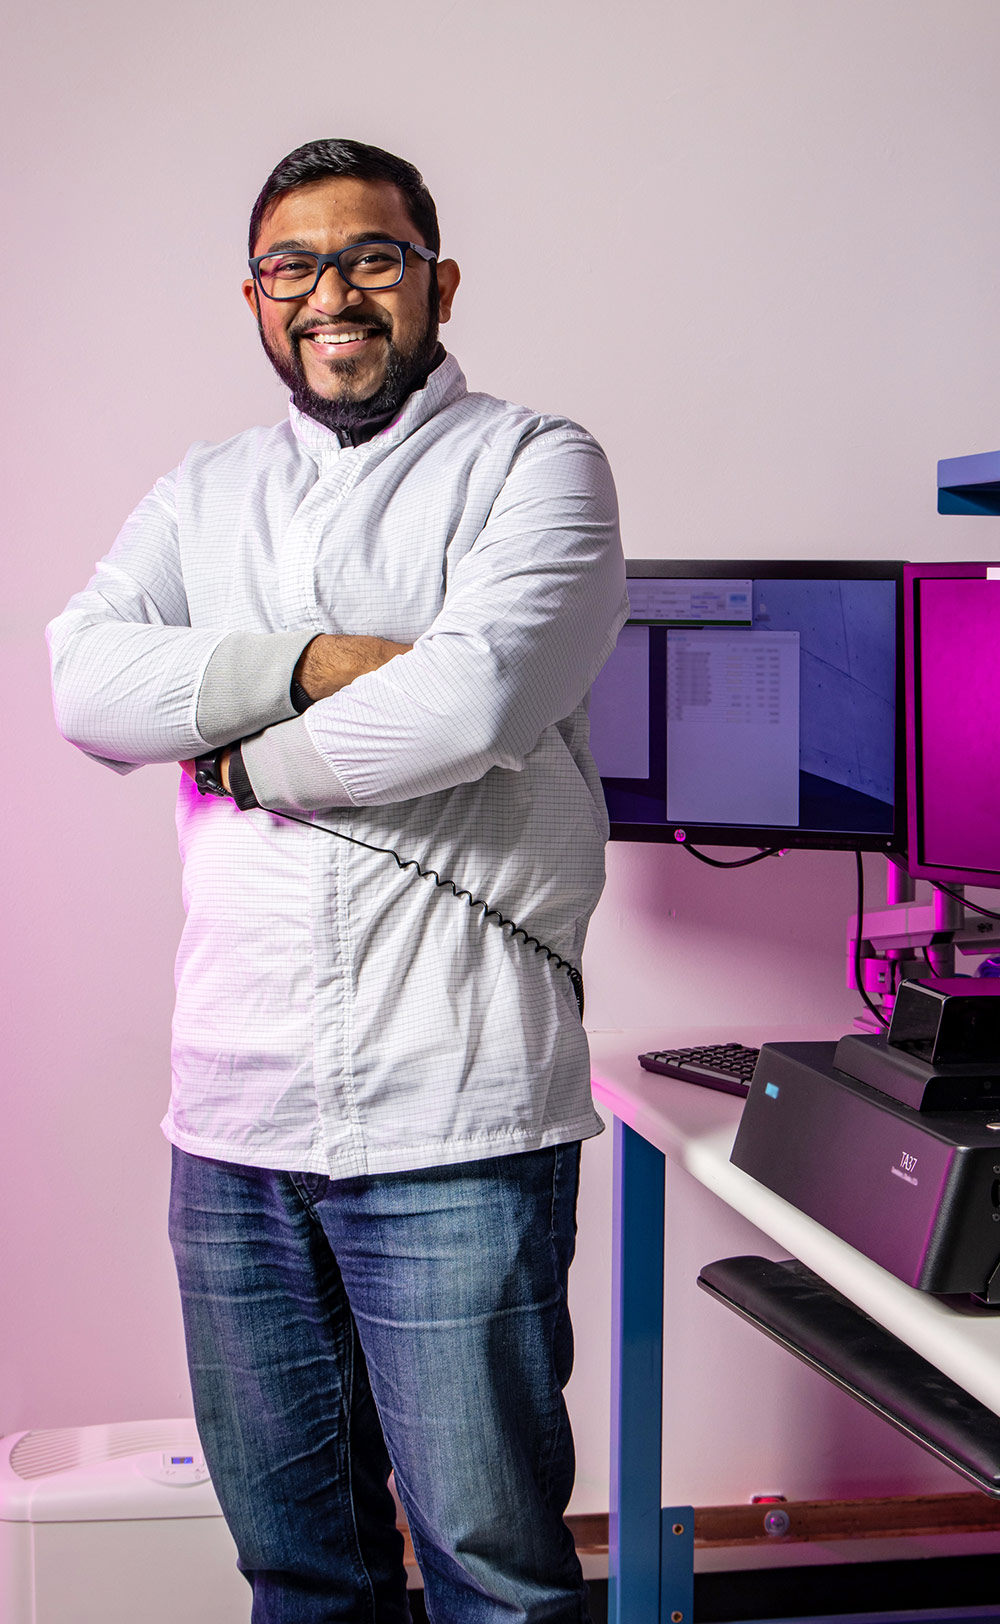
(475, 903)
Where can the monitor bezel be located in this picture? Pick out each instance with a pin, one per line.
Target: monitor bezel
(760, 836)
(914, 861)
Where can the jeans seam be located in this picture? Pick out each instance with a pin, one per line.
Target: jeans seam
(583, 1606)
(348, 1426)
(307, 1196)
(553, 1444)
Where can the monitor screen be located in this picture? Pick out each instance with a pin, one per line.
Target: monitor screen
(755, 704)
(953, 754)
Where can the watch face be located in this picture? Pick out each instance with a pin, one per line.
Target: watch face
(206, 776)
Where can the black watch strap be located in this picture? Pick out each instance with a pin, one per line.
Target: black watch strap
(240, 786)
(300, 699)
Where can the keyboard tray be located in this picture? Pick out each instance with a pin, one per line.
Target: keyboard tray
(800, 1311)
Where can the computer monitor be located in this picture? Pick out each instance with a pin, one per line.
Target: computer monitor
(952, 629)
(756, 704)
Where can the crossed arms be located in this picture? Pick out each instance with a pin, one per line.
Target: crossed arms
(529, 615)
(328, 663)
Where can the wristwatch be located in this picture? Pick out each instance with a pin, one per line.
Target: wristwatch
(208, 773)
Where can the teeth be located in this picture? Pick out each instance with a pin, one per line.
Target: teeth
(338, 338)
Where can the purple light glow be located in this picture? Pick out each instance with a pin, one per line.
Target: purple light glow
(959, 690)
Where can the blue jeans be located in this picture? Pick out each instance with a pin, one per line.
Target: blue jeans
(419, 1319)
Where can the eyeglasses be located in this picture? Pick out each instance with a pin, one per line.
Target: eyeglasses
(370, 266)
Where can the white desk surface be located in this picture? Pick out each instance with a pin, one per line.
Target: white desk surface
(695, 1128)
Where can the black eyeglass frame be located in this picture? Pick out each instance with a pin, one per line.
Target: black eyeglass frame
(324, 260)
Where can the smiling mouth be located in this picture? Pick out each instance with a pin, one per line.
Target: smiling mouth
(332, 338)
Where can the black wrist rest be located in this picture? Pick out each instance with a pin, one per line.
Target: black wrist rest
(796, 1308)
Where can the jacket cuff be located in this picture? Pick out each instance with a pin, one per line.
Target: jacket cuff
(287, 772)
(247, 684)
(240, 787)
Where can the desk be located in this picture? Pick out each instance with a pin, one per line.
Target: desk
(659, 1120)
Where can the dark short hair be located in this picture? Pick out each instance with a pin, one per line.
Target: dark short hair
(319, 159)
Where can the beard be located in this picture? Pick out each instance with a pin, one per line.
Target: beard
(403, 370)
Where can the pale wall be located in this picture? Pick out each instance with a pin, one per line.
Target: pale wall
(752, 244)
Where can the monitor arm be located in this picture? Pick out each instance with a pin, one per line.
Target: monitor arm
(913, 941)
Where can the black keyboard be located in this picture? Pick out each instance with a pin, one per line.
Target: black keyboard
(725, 1066)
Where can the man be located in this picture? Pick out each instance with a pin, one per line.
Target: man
(369, 633)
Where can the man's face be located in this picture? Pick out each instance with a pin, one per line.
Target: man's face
(345, 353)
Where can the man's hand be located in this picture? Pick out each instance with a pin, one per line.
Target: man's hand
(331, 662)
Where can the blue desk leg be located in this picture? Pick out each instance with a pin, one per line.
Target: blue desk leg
(677, 1565)
(636, 1381)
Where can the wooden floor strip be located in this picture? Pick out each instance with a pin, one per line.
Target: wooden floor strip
(892, 1517)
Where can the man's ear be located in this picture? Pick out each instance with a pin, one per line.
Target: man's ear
(250, 295)
(448, 276)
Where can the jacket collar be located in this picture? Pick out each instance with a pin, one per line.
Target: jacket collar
(445, 385)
